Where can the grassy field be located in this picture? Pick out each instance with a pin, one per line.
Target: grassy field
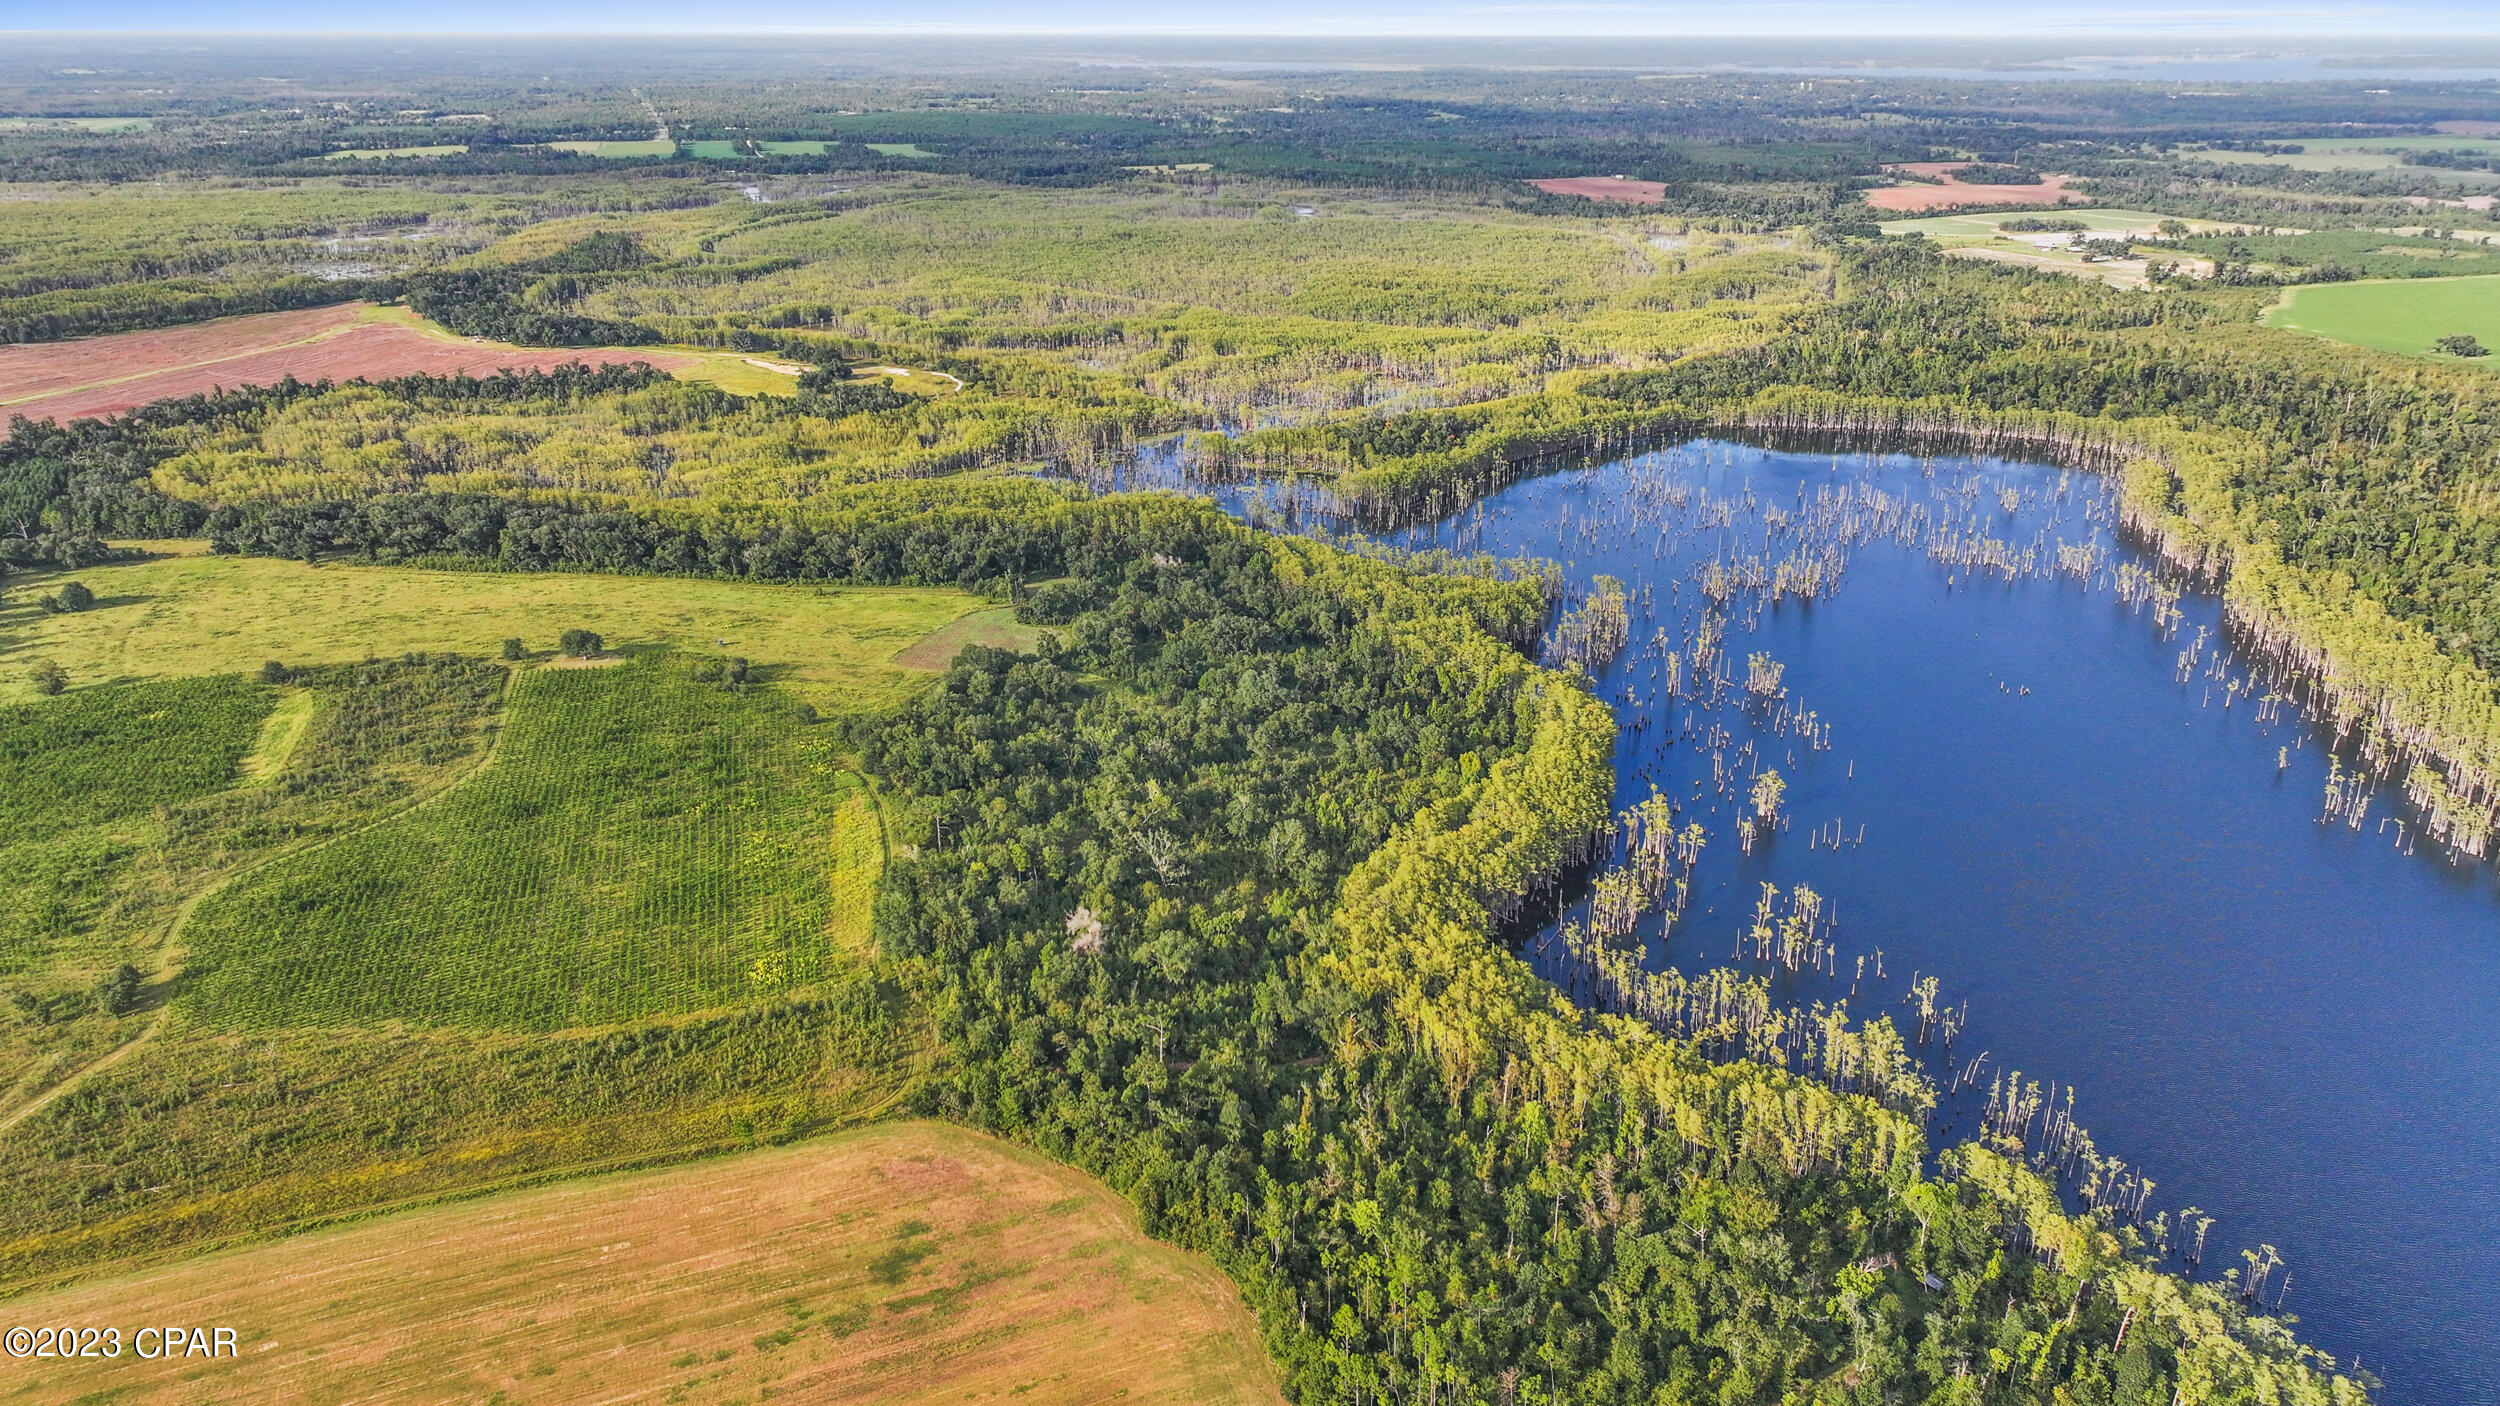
(84, 124)
(617, 149)
(2396, 315)
(996, 628)
(895, 1265)
(371, 153)
(185, 612)
(731, 371)
(909, 150)
(644, 843)
(1952, 229)
(121, 807)
(2365, 154)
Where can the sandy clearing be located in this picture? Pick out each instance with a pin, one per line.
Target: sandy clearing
(895, 1265)
(2118, 273)
(104, 375)
(1604, 188)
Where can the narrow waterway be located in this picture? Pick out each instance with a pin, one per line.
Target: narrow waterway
(2058, 793)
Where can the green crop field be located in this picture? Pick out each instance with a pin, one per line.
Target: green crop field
(120, 805)
(796, 148)
(642, 843)
(2396, 315)
(185, 612)
(904, 149)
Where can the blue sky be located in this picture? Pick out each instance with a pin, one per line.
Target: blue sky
(2049, 20)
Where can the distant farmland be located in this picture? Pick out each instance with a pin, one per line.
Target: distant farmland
(104, 375)
(1953, 193)
(891, 1266)
(2396, 315)
(1605, 188)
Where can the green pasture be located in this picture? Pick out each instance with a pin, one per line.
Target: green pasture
(617, 150)
(2396, 315)
(185, 612)
(642, 842)
(909, 150)
(1979, 228)
(2363, 154)
(739, 150)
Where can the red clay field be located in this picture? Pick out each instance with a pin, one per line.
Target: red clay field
(1954, 194)
(101, 375)
(1604, 188)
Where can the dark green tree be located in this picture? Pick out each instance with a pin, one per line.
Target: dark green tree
(120, 991)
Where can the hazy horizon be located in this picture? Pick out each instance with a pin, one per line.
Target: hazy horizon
(2263, 27)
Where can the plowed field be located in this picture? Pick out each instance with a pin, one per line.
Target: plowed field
(1953, 194)
(102, 375)
(1605, 188)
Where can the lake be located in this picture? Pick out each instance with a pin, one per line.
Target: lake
(2288, 1022)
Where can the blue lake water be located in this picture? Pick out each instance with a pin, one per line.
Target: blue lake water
(2293, 1025)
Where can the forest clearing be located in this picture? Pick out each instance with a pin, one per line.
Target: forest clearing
(2405, 316)
(1622, 188)
(1949, 191)
(184, 611)
(103, 375)
(905, 1264)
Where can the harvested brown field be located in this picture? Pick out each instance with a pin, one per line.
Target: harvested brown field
(1605, 188)
(102, 375)
(895, 1265)
(1953, 194)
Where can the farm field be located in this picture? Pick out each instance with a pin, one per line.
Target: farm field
(103, 375)
(644, 842)
(2396, 315)
(617, 150)
(83, 124)
(372, 153)
(120, 807)
(1604, 188)
(1949, 229)
(2366, 154)
(2051, 190)
(904, 149)
(187, 612)
(893, 1265)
